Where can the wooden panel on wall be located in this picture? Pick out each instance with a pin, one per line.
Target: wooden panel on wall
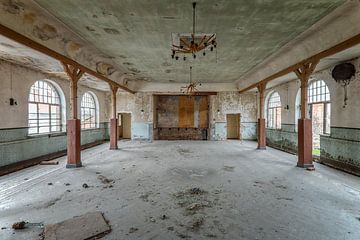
(186, 111)
(203, 112)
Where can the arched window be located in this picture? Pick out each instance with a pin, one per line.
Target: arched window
(319, 109)
(44, 108)
(274, 111)
(318, 92)
(319, 106)
(88, 111)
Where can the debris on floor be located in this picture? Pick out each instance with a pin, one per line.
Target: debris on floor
(182, 235)
(310, 169)
(196, 190)
(197, 223)
(192, 200)
(229, 168)
(133, 229)
(51, 162)
(105, 180)
(19, 225)
(23, 225)
(88, 226)
(85, 185)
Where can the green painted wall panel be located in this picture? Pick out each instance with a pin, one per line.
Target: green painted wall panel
(36, 146)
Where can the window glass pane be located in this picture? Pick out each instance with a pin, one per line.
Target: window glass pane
(33, 123)
(274, 106)
(44, 129)
(88, 111)
(318, 92)
(32, 130)
(44, 106)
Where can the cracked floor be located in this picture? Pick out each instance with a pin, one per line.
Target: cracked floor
(186, 189)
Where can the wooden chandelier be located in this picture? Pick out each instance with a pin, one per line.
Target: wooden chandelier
(194, 43)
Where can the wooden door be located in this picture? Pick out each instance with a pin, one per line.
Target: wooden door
(126, 125)
(233, 126)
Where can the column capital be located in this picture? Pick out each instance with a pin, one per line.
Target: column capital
(261, 87)
(114, 88)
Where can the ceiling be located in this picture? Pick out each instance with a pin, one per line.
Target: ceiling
(14, 52)
(340, 57)
(137, 34)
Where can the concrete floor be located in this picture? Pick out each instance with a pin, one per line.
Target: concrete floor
(250, 194)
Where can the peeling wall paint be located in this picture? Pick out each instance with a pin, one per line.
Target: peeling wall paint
(140, 105)
(228, 103)
(15, 81)
(15, 144)
(342, 146)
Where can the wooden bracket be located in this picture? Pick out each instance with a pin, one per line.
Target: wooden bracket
(261, 87)
(17, 37)
(73, 72)
(114, 88)
(314, 59)
(306, 69)
(303, 73)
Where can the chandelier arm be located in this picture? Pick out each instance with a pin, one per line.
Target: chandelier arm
(202, 40)
(183, 51)
(177, 49)
(175, 46)
(201, 47)
(185, 43)
(212, 37)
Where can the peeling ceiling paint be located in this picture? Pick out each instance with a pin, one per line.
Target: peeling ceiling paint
(16, 53)
(139, 32)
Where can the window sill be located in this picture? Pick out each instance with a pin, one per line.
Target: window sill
(54, 134)
(90, 129)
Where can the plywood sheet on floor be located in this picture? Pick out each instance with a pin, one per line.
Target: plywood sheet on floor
(81, 227)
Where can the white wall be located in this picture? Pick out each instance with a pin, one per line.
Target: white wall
(340, 117)
(22, 79)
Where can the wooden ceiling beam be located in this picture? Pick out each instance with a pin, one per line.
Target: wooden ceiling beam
(317, 57)
(17, 37)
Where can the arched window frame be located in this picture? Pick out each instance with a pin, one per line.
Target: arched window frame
(273, 111)
(46, 113)
(318, 92)
(89, 104)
